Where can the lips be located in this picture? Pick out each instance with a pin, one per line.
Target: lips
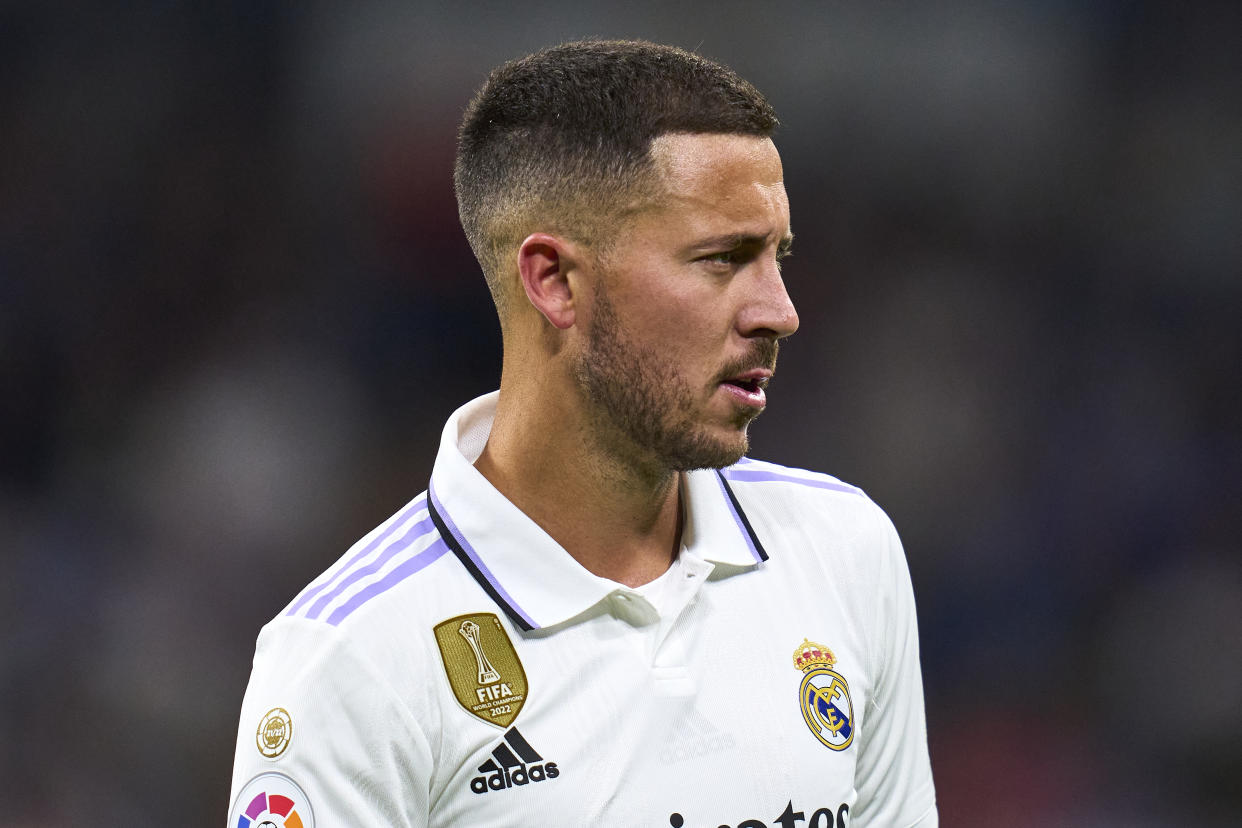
(752, 381)
(745, 378)
(746, 388)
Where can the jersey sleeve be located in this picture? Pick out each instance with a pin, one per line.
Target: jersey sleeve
(354, 750)
(894, 780)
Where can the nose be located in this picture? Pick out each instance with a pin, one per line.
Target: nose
(768, 312)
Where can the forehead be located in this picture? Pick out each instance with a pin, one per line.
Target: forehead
(722, 178)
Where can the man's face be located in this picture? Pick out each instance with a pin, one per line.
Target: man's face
(685, 317)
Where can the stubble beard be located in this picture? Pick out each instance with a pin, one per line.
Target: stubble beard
(641, 406)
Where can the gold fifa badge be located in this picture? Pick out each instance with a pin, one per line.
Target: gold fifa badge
(482, 667)
(824, 696)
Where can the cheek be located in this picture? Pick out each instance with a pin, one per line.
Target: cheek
(676, 312)
(691, 341)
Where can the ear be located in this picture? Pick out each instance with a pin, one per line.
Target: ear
(544, 266)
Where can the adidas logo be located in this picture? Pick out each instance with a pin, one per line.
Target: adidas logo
(513, 762)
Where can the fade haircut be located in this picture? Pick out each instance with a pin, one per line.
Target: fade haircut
(560, 140)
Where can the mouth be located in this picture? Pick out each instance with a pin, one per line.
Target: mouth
(749, 383)
(748, 386)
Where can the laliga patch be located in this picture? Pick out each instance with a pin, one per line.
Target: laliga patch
(482, 667)
(275, 732)
(272, 800)
(824, 696)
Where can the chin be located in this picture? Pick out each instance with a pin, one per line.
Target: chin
(704, 451)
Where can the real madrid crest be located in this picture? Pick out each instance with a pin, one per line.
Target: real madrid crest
(824, 696)
(482, 667)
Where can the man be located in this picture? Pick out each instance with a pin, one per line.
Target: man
(600, 612)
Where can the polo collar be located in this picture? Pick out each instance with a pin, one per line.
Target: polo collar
(528, 574)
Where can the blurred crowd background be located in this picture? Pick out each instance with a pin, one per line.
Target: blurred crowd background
(236, 307)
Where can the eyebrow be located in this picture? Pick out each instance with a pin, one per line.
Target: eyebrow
(735, 241)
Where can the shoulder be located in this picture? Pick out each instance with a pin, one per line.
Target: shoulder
(803, 511)
(379, 596)
(750, 470)
(366, 624)
(786, 492)
(404, 553)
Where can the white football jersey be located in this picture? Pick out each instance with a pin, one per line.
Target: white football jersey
(458, 668)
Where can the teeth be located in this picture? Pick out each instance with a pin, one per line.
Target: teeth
(751, 385)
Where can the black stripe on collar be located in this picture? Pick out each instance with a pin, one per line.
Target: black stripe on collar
(455, 545)
(741, 515)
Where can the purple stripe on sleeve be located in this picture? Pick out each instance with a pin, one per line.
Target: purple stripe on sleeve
(741, 526)
(418, 505)
(480, 567)
(759, 476)
(400, 573)
(416, 532)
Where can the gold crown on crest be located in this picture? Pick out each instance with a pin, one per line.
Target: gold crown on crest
(809, 654)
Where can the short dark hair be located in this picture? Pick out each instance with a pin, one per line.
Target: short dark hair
(562, 138)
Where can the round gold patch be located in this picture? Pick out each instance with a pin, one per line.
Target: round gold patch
(275, 731)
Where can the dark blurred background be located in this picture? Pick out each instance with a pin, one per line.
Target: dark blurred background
(236, 307)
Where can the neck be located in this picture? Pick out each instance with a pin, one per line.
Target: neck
(619, 518)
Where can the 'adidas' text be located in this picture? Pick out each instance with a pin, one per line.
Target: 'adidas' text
(514, 763)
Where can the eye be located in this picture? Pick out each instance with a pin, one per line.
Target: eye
(724, 257)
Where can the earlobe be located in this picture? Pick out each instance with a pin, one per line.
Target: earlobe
(544, 263)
